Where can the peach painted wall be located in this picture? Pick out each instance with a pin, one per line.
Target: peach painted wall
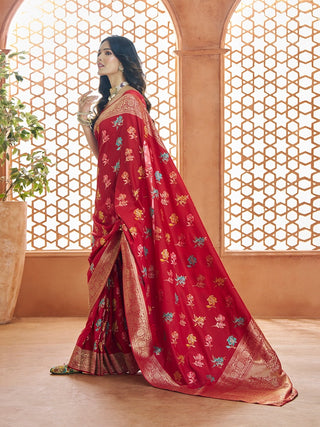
(278, 286)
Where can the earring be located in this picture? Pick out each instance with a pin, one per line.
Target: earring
(121, 68)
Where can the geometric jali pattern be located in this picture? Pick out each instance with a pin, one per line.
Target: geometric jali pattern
(272, 127)
(62, 38)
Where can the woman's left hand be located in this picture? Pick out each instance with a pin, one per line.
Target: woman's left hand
(85, 102)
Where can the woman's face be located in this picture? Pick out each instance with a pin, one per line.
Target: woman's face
(108, 63)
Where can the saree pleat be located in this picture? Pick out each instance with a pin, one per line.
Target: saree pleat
(160, 299)
(104, 346)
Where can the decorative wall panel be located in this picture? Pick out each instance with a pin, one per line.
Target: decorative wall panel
(272, 127)
(62, 38)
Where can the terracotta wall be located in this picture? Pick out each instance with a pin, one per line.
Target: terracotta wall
(276, 286)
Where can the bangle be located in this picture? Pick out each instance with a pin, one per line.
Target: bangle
(84, 122)
(83, 114)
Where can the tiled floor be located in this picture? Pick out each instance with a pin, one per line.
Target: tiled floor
(30, 397)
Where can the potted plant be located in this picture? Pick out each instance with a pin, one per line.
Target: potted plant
(28, 179)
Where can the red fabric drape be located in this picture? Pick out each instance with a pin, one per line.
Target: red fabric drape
(160, 298)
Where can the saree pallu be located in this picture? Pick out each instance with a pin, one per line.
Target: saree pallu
(160, 299)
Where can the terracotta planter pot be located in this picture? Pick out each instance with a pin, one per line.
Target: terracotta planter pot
(13, 222)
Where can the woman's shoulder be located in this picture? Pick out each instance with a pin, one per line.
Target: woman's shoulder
(134, 94)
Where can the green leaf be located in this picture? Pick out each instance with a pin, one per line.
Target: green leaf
(16, 124)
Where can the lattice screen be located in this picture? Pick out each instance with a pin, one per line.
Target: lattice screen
(272, 127)
(62, 38)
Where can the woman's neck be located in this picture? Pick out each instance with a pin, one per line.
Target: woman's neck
(114, 91)
(116, 79)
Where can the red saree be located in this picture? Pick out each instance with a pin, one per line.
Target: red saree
(160, 299)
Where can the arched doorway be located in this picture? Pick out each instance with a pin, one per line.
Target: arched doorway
(54, 281)
(62, 37)
(271, 189)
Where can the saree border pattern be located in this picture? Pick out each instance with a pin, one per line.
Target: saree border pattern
(103, 269)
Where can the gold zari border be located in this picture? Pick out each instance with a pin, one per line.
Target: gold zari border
(96, 363)
(103, 269)
(128, 103)
(254, 373)
(138, 324)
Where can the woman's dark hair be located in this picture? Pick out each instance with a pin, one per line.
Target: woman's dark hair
(125, 51)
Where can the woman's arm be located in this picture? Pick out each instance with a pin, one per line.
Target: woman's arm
(85, 103)
(93, 144)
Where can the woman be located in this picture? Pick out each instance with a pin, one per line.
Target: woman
(160, 299)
